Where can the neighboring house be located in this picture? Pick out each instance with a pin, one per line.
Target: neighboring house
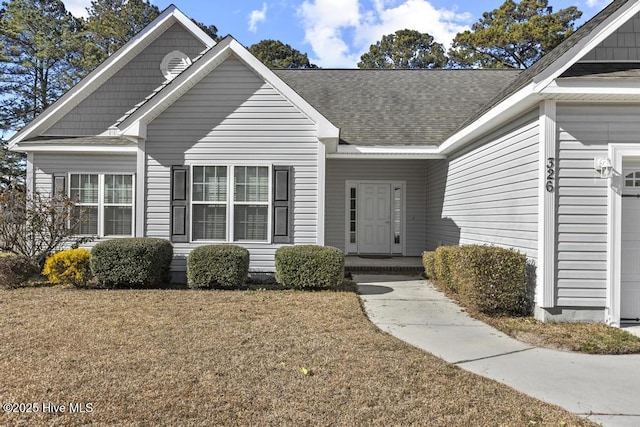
(178, 137)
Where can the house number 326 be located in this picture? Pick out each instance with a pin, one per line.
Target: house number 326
(551, 174)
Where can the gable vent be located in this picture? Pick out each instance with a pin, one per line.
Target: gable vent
(174, 63)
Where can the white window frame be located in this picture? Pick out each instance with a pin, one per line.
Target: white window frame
(396, 249)
(193, 203)
(101, 205)
(231, 203)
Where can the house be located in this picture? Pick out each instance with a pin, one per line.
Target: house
(176, 136)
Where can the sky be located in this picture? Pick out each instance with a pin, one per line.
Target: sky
(335, 33)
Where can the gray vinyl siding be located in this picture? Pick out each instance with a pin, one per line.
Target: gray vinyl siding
(622, 45)
(233, 117)
(130, 85)
(45, 165)
(410, 171)
(488, 193)
(584, 132)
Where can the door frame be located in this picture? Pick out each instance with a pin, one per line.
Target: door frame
(617, 154)
(353, 248)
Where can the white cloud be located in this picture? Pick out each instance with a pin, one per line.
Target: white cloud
(340, 31)
(597, 3)
(256, 17)
(78, 8)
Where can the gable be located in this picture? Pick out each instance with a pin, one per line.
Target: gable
(622, 45)
(230, 105)
(130, 85)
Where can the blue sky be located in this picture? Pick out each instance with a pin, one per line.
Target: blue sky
(334, 33)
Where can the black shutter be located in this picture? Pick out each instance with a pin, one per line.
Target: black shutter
(179, 204)
(59, 184)
(282, 204)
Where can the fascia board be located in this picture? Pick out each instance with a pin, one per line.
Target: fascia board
(592, 87)
(107, 69)
(517, 103)
(133, 125)
(326, 129)
(94, 149)
(586, 45)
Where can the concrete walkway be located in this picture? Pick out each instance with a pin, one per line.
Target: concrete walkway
(605, 389)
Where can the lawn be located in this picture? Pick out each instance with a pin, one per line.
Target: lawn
(177, 357)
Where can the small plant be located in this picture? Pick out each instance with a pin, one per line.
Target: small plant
(309, 266)
(136, 261)
(217, 266)
(70, 267)
(17, 270)
(36, 225)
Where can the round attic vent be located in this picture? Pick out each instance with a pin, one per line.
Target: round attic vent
(174, 63)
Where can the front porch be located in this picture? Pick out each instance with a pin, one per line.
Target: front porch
(383, 264)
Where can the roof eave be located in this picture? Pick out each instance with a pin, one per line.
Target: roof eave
(516, 104)
(586, 45)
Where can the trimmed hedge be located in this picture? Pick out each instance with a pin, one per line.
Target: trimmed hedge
(489, 279)
(70, 267)
(443, 263)
(217, 266)
(309, 266)
(16, 270)
(429, 264)
(492, 280)
(132, 262)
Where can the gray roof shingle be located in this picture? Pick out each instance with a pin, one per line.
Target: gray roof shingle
(397, 107)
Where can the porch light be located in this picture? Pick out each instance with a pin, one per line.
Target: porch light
(604, 166)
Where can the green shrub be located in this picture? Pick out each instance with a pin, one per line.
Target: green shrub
(309, 266)
(444, 258)
(429, 264)
(492, 280)
(17, 270)
(70, 267)
(217, 266)
(136, 261)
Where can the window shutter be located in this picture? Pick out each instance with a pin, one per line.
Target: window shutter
(179, 204)
(59, 184)
(282, 204)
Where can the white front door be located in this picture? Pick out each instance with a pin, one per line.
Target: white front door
(630, 260)
(374, 220)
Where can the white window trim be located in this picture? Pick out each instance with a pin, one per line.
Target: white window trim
(230, 238)
(193, 202)
(101, 203)
(396, 249)
(617, 154)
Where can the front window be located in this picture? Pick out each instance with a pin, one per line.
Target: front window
(225, 210)
(105, 203)
(251, 197)
(209, 202)
(84, 192)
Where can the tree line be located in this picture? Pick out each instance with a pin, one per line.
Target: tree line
(44, 50)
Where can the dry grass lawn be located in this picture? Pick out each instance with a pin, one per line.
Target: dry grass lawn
(173, 357)
(590, 338)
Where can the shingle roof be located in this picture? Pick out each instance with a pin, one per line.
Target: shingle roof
(397, 107)
(81, 140)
